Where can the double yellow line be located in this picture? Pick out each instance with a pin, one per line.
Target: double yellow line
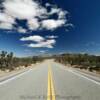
(51, 92)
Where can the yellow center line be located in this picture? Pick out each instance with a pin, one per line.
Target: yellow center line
(51, 91)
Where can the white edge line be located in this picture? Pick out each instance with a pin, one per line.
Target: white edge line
(69, 70)
(84, 77)
(14, 77)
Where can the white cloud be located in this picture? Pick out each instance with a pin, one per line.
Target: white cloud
(48, 4)
(43, 51)
(36, 15)
(6, 18)
(62, 14)
(23, 9)
(55, 10)
(52, 37)
(5, 25)
(47, 44)
(35, 38)
(22, 30)
(52, 24)
(6, 21)
(33, 24)
(40, 41)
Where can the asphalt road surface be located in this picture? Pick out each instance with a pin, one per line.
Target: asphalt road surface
(50, 81)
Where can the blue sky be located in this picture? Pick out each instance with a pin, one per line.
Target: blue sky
(83, 36)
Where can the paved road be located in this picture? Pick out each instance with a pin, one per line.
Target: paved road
(50, 81)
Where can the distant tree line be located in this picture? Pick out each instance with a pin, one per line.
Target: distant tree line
(82, 61)
(8, 61)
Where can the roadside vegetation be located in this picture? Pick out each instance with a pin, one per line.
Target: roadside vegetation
(9, 62)
(82, 61)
